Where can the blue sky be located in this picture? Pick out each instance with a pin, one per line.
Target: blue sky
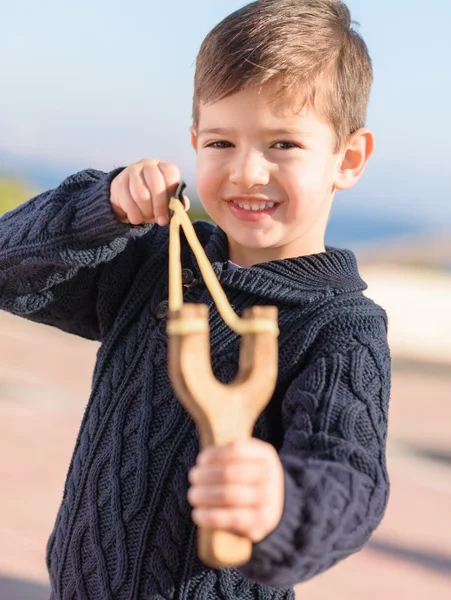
(108, 82)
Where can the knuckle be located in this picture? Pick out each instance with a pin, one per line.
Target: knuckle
(146, 162)
(230, 494)
(213, 519)
(192, 496)
(168, 168)
(227, 495)
(193, 475)
(232, 450)
(150, 174)
(143, 197)
(227, 474)
(122, 176)
(140, 194)
(133, 171)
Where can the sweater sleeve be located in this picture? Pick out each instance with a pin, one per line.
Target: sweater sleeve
(65, 260)
(336, 483)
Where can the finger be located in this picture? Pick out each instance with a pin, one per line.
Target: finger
(140, 193)
(128, 205)
(121, 215)
(118, 190)
(242, 521)
(171, 174)
(157, 186)
(252, 449)
(225, 496)
(232, 472)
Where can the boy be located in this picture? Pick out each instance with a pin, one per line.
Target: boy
(281, 89)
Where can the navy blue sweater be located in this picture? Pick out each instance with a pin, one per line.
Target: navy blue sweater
(123, 531)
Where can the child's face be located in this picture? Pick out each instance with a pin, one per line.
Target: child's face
(252, 153)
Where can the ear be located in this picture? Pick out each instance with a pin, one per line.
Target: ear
(193, 132)
(359, 148)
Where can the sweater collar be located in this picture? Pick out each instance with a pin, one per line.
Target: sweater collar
(291, 280)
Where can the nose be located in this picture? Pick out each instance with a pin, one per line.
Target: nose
(249, 169)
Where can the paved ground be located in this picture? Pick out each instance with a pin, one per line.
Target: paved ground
(44, 384)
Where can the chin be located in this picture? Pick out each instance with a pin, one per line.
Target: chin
(251, 242)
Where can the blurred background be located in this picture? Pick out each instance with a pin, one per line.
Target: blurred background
(106, 84)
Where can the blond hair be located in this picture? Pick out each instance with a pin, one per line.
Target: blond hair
(305, 47)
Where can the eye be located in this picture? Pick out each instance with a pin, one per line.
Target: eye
(220, 144)
(285, 145)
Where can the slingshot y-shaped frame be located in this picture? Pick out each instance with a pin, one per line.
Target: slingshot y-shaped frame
(222, 413)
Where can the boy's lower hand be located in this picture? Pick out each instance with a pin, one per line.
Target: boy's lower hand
(141, 192)
(239, 488)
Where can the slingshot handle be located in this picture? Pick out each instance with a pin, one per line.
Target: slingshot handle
(222, 413)
(221, 549)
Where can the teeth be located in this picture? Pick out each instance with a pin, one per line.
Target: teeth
(254, 207)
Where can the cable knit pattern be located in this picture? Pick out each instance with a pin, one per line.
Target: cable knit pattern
(123, 531)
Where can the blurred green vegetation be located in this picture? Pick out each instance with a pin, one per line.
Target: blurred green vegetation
(12, 193)
(197, 213)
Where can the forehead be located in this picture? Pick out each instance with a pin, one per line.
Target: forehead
(257, 107)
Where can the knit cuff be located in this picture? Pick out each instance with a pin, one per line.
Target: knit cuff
(270, 556)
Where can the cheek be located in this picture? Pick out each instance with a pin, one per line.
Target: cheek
(308, 188)
(207, 178)
(312, 179)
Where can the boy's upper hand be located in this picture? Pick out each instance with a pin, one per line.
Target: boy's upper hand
(239, 487)
(141, 192)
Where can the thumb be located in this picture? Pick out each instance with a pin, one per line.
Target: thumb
(187, 202)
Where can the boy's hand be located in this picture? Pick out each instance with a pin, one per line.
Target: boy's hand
(239, 488)
(141, 192)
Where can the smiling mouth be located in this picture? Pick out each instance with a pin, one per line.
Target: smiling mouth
(253, 206)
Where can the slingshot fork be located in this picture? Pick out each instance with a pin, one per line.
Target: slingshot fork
(222, 413)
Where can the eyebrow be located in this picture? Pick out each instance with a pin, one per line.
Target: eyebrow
(222, 131)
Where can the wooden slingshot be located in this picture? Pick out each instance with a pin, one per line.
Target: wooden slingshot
(222, 413)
